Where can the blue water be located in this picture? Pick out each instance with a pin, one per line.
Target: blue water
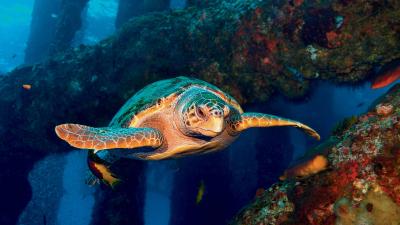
(98, 22)
(15, 17)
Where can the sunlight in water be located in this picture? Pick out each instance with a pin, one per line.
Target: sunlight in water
(76, 192)
(177, 4)
(99, 21)
(15, 17)
(158, 190)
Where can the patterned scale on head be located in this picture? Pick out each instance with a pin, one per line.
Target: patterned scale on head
(175, 117)
(205, 115)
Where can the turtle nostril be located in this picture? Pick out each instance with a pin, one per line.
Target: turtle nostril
(217, 113)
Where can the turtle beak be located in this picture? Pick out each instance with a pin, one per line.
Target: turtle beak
(213, 127)
(217, 124)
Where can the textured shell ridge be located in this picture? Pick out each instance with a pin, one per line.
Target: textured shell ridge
(156, 96)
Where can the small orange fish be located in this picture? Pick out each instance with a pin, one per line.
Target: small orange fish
(27, 86)
(387, 78)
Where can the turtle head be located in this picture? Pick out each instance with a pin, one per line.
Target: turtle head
(204, 114)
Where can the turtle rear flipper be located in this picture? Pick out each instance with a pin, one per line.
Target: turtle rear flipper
(86, 137)
(248, 120)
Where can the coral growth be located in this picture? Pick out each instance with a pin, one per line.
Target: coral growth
(360, 186)
(384, 109)
(376, 208)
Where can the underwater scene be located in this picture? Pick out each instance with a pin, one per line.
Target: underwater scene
(200, 112)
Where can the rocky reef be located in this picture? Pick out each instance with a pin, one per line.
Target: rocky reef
(360, 185)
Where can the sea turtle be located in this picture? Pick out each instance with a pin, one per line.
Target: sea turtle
(174, 117)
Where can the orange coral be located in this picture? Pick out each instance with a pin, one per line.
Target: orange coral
(272, 45)
(384, 109)
(298, 2)
(332, 38)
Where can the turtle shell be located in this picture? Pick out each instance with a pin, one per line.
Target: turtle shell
(158, 95)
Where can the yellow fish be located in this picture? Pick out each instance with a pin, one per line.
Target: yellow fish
(102, 172)
(200, 192)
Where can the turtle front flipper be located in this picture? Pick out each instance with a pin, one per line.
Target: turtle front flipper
(248, 120)
(80, 136)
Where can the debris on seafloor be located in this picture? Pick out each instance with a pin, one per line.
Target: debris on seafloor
(386, 78)
(361, 186)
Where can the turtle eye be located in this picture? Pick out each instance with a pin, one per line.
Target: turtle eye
(200, 111)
